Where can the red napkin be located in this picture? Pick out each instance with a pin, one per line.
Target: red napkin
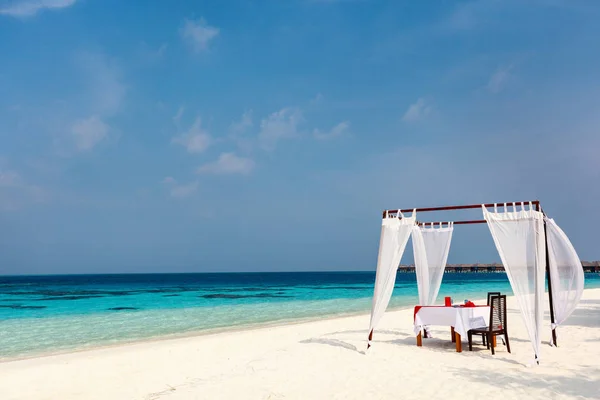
(417, 308)
(469, 304)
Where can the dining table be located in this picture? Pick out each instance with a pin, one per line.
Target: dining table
(459, 318)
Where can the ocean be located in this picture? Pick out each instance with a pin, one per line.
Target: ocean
(50, 314)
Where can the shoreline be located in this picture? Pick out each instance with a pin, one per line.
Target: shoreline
(323, 359)
(208, 332)
(200, 333)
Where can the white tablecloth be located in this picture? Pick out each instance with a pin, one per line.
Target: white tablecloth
(461, 318)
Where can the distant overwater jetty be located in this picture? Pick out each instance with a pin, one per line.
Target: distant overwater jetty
(588, 266)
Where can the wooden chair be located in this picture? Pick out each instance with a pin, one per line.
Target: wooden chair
(497, 324)
(489, 296)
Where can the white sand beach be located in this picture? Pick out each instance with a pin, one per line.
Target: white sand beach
(324, 360)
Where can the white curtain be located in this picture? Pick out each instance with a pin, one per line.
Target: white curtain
(519, 238)
(394, 236)
(430, 247)
(566, 273)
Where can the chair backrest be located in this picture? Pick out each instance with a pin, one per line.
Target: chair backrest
(498, 318)
(490, 294)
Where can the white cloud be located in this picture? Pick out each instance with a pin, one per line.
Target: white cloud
(177, 117)
(198, 34)
(87, 133)
(103, 78)
(316, 100)
(228, 163)
(282, 124)
(15, 192)
(196, 139)
(158, 53)
(28, 8)
(9, 178)
(499, 79)
(417, 111)
(180, 190)
(336, 131)
(237, 132)
(239, 127)
(152, 54)
(466, 16)
(100, 99)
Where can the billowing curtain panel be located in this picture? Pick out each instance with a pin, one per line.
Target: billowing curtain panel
(394, 236)
(519, 238)
(430, 246)
(566, 273)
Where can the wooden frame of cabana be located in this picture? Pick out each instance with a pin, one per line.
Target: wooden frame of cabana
(483, 221)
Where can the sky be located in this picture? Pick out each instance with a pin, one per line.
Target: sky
(216, 136)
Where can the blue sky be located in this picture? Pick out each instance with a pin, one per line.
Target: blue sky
(269, 135)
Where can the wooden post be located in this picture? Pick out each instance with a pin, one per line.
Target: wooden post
(549, 281)
(452, 334)
(419, 340)
(458, 342)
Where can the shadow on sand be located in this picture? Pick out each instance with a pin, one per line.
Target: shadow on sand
(332, 342)
(575, 385)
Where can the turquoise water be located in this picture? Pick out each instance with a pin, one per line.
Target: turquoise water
(47, 314)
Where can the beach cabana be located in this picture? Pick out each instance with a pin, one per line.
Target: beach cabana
(532, 247)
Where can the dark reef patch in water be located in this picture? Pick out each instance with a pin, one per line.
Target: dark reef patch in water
(68, 298)
(243, 289)
(336, 287)
(21, 307)
(241, 296)
(122, 308)
(171, 295)
(67, 293)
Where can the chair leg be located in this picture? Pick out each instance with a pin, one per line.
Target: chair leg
(507, 343)
(491, 342)
(483, 339)
(470, 337)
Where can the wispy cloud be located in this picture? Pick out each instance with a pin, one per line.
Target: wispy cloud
(238, 132)
(196, 139)
(316, 100)
(102, 97)
(178, 115)
(465, 16)
(417, 111)
(198, 34)
(15, 191)
(150, 53)
(89, 132)
(28, 8)
(228, 164)
(279, 125)
(106, 90)
(9, 178)
(499, 79)
(336, 131)
(180, 190)
(239, 127)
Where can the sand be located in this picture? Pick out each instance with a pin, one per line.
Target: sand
(324, 360)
